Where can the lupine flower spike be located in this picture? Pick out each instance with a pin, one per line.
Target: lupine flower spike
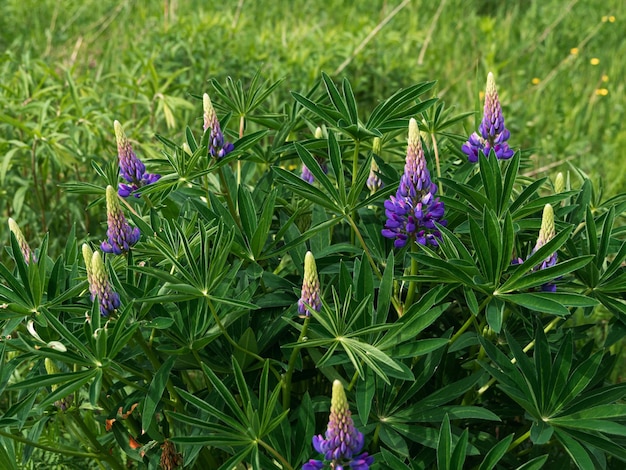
(87, 256)
(120, 235)
(217, 146)
(546, 233)
(374, 183)
(343, 441)
(310, 296)
(131, 168)
(559, 183)
(99, 285)
(413, 211)
(21, 241)
(306, 174)
(492, 132)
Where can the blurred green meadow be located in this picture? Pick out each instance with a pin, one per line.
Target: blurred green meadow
(69, 69)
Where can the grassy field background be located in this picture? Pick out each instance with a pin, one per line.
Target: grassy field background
(68, 69)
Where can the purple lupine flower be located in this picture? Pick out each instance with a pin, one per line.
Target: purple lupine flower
(217, 146)
(27, 253)
(374, 183)
(310, 295)
(343, 441)
(306, 174)
(99, 285)
(120, 235)
(492, 132)
(413, 211)
(131, 168)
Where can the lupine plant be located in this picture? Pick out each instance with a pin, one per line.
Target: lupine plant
(450, 311)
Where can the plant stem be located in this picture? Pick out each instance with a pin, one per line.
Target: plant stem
(519, 440)
(292, 364)
(379, 275)
(465, 326)
(412, 284)
(273, 451)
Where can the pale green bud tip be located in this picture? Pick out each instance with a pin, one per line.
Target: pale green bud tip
(310, 268)
(97, 265)
(491, 85)
(318, 133)
(559, 183)
(15, 229)
(547, 224)
(112, 199)
(120, 136)
(87, 255)
(51, 367)
(414, 133)
(207, 105)
(187, 149)
(377, 146)
(338, 402)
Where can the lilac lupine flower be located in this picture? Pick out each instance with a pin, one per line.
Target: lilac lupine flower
(492, 132)
(132, 168)
(217, 146)
(120, 235)
(306, 174)
(21, 241)
(413, 211)
(374, 183)
(310, 295)
(343, 441)
(100, 287)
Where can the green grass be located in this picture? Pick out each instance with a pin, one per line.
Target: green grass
(69, 69)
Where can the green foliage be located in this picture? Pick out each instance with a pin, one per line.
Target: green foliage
(459, 355)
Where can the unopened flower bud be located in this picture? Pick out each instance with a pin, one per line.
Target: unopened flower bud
(310, 296)
(21, 241)
(559, 183)
(120, 235)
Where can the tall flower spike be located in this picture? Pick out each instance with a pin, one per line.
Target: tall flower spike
(559, 183)
(100, 287)
(120, 235)
(217, 146)
(310, 296)
(132, 168)
(343, 441)
(492, 132)
(27, 253)
(374, 183)
(414, 210)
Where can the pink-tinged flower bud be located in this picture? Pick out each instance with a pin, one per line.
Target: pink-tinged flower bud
(101, 288)
(120, 235)
(217, 146)
(342, 440)
(492, 132)
(27, 253)
(374, 183)
(310, 296)
(132, 168)
(546, 233)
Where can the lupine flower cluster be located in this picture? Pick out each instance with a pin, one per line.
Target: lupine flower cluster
(120, 235)
(306, 174)
(132, 168)
(343, 441)
(492, 133)
(99, 285)
(546, 233)
(217, 146)
(21, 241)
(310, 296)
(374, 183)
(413, 211)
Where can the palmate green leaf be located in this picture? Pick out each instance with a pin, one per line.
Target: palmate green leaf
(495, 454)
(444, 446)
(155, 392)
(70, 337)
(592, 425)
(508, 182)
(394, 440)
(494, 313)
(598, 398)
(579, 379)
(614, 265)
(472, 198)
(595, 441)
(536, 302)
(393, 107)
(526, 194)
(423, 414)
(236, 427)
(576, 451)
